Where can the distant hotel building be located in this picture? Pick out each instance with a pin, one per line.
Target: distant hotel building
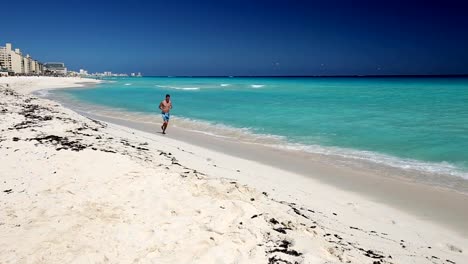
(13, 62)
(83, 72)
(57, 68)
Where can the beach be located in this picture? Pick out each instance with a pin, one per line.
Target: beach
(94, 189)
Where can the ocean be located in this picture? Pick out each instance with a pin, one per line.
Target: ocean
(416, 124)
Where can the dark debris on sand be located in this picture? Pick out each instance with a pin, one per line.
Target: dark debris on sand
(61, 142)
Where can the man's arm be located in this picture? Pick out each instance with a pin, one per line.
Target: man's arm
(161, 106)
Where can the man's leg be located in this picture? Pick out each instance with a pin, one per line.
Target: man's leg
(164, 126)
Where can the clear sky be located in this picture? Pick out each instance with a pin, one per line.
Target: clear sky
(244, 37)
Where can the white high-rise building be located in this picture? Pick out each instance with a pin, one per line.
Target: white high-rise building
(28, 65)
(10, 59)
(17, 63)
(14, 61)
(4, 59)
(33, 66)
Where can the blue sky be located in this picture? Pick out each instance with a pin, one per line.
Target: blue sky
(244, 37)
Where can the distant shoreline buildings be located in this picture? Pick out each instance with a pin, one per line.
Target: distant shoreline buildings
(13, 63)
(84, 73)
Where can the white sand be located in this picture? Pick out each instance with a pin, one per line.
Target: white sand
(78, 191)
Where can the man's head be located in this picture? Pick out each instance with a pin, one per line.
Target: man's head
(168, 97)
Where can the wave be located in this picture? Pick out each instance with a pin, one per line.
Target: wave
(249, 135)
(128, 84)
(257, 85)
(179, 88)
(208, 133)
(42, 93)
(382, 159)
(224, 84)
(227, 131)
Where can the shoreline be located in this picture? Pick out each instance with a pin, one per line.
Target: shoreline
(413, 197)
(390, 186)
(450, 175)
(135, 180)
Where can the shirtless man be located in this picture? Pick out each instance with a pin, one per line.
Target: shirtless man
(165, 106)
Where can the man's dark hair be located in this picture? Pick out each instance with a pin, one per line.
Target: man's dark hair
(168, 95)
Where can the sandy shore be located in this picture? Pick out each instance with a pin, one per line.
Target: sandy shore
(79, 190)
(392, 187)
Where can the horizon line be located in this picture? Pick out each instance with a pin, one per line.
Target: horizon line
(312, 76)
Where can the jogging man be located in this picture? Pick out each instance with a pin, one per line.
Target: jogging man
(165, 106)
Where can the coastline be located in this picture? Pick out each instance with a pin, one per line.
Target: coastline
(426, 153)
(391, 186)
(413, 197)
(286, 195)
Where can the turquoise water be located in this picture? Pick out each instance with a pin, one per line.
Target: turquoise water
(414, 123)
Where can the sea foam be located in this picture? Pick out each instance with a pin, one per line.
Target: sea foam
(443, 168)
(179, 88)
(249, 135)
(257, 85)
(42, 93)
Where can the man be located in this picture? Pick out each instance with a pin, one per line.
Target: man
(165, 106)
